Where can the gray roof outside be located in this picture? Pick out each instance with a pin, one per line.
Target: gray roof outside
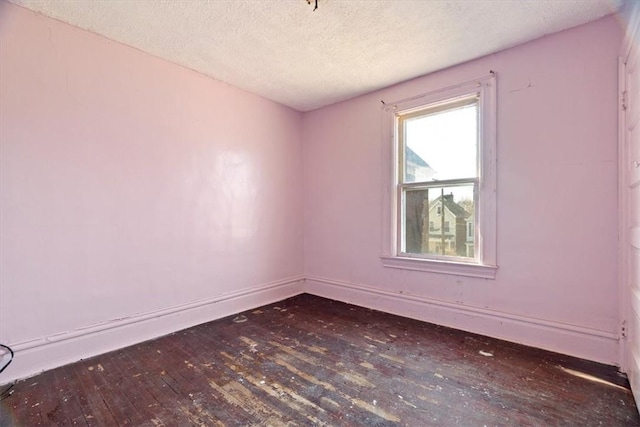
(457, 210)
(411, 156)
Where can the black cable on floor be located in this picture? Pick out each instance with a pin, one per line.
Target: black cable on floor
(11, 353)
(7, 392)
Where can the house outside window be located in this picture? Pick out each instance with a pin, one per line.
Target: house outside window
(441, 195)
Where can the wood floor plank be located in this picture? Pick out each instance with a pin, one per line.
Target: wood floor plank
(311, 361)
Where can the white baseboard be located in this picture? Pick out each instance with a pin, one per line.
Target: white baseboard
(37, 355)
(573, 340)
(34, 356)
(633, 371)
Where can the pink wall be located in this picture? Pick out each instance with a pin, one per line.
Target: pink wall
(130, 185)
(556, 286)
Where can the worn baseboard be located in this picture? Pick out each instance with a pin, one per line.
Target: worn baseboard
(37, 355)
(633, 371)
(573, 340)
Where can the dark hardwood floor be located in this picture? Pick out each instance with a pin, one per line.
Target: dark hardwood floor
(312, 361)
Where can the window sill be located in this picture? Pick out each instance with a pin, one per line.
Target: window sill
(442, 267)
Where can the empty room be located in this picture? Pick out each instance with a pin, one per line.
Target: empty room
(331, 212)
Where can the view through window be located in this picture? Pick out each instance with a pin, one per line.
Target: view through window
(438, 179)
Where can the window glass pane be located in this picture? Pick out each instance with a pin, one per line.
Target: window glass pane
(437, 221)
(441, 145)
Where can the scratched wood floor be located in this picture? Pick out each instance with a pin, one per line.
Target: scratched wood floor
(312, 361)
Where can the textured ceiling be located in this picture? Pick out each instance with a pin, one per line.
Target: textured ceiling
(285, 51)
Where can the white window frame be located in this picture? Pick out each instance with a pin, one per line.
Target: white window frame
(485, 264)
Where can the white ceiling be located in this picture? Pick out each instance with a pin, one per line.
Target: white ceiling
(285, 51)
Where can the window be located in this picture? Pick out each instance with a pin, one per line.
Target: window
(440, 196)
